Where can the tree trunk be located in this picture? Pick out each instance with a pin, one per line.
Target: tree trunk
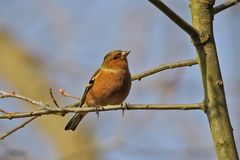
(216, 106)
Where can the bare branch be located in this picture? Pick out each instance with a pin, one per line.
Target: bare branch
(3, 111)
(175, 18)
(17, 128)
(57, 111)
(54, 100)
(225, 5)
(4, 94)
(163, 67)
(65, 94)
(47, 109)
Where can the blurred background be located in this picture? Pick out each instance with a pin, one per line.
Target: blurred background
(60, 44)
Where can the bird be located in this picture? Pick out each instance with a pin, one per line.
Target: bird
(109, 85)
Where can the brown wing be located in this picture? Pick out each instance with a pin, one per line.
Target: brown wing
(88, 87)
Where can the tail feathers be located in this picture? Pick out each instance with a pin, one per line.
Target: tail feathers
(73, 123)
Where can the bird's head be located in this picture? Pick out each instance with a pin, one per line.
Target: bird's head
(116, 59)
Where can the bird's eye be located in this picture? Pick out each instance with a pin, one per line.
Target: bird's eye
(116, 56)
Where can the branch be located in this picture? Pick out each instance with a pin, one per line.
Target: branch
(17, 128)
(54, 110)
(163, 67)
(225, 5)
(4, 94)
(1, 110)
(54, 100)
(176, 18)
(47, 109)
(65, 94)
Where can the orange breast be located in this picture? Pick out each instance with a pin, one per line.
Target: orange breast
(109, 88)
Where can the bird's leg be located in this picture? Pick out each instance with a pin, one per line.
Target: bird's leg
(97, 110)
(124, 107)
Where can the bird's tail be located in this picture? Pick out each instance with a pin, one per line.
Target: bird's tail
(73, 123)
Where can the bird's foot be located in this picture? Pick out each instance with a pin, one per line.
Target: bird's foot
(97, 110)
(124, 107)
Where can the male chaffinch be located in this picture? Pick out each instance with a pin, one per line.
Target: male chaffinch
(110, 85)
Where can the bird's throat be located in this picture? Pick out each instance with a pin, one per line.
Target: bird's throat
(112, 70)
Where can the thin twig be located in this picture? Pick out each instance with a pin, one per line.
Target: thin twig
(65, 94)
(17, 128)
(175, 18)
(57, 111)
(4, 94)
(54, 100)
(163, 67)
(225, 5)
(1, 110)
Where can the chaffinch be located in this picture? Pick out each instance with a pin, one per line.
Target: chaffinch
(110, 85)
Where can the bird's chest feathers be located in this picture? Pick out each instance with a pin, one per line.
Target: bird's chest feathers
(112, 86)
(112, 79)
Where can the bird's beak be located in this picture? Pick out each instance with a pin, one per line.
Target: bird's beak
(125, 53)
